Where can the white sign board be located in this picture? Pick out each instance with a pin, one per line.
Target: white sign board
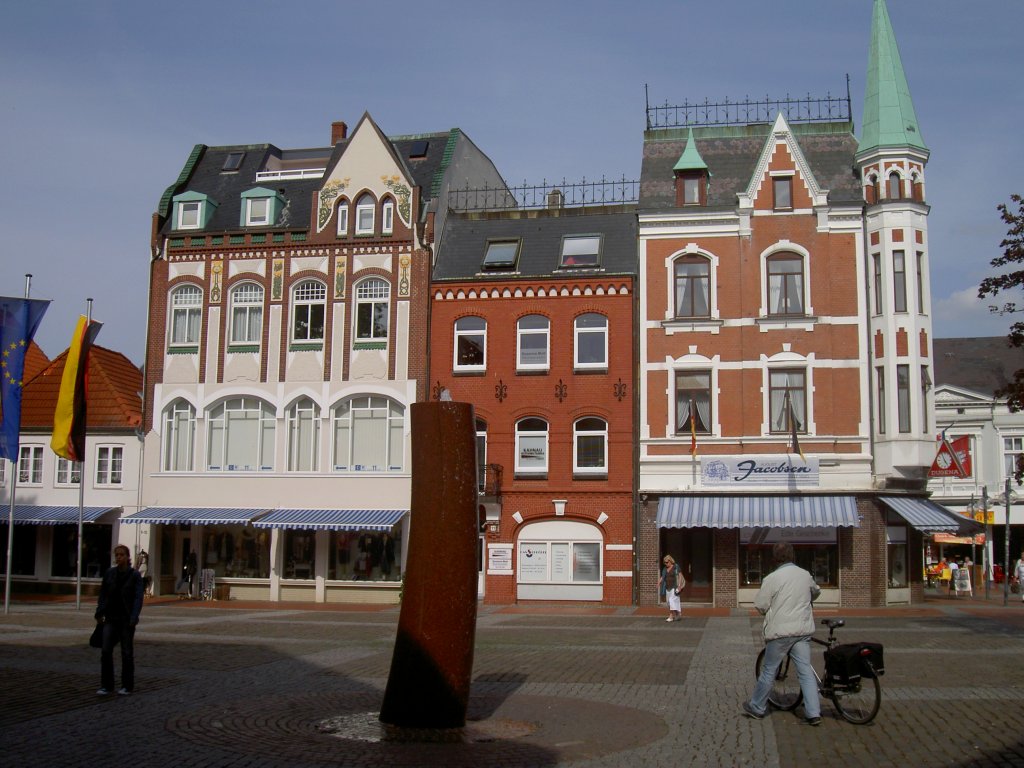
(779, 470)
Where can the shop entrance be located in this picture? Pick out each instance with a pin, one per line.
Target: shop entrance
(692, 549)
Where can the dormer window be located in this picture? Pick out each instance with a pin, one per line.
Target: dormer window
(501, 254)
(191, 210)
(260, 207)
(581, 251)
(782, 188)
(257, 211)
(188, 215)
(691, 188)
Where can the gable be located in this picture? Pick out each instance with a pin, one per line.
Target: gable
(781, 157)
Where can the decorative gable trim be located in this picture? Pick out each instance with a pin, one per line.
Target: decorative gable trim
(782, 134)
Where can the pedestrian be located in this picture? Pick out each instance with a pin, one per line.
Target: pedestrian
(670, 585)
(118, 609)
(953, 568)
(784, 600)
(1018, 574)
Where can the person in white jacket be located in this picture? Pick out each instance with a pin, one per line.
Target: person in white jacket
(785, 601)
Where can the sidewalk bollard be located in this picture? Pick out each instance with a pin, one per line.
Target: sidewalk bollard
(432, 665)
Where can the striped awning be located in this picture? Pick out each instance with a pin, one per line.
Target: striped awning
(757, 512)
(194, 516)
(333, 519)
(927, 516)
(30, 514)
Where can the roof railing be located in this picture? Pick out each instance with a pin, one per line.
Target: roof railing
(296, 173)
(546, 195)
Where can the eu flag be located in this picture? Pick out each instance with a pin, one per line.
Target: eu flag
(19, 319)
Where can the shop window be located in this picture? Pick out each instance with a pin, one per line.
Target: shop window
(299, 554)
(369, 435)
(179, 437)
(96, 544)
(236, 551)
(365, 556)
(896, 554)
(820, 559)
(560, 554)
(23, 561)
(692, 286)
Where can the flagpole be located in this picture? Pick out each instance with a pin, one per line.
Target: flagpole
(81, 480)
(10, 511)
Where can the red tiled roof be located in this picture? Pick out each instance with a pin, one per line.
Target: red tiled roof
(35, 362)
(113, 399)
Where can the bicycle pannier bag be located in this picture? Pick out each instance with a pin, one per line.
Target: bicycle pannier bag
(842, 663)
(875, 657)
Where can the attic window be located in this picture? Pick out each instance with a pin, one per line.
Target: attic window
(418, 149)
(581, 251)
(233, 161)
(782, 186)
(501, 254)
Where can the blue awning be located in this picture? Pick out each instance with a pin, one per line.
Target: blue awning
(194, 516)
(30, 514)
(927, 516)
(757, 512)
(333, 519)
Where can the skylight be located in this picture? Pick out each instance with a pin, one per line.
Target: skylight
(233, 161)
(581, 251)
(501, 254)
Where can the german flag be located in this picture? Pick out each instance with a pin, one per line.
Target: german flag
(68, 439)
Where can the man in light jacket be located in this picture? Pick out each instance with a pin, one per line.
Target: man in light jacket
(785, 601)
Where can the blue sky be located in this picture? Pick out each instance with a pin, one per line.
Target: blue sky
(103, 101)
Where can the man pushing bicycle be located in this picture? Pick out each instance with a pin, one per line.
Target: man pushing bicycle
(785, 601)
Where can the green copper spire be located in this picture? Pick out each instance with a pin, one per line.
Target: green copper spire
(690, 160)
(889, 118)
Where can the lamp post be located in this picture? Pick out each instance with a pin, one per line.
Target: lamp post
(988, 540)
(1006, 547)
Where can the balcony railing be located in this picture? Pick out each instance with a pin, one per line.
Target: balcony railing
(550, 195)
(293, 173)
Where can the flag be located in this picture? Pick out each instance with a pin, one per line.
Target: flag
(19, 320)
(693, 429)
(793, 426)
(953, 458)
(68, 439)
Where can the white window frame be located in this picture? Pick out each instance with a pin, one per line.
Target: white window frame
(1013, 446)
(899, 281)
(573, 244)
(252, 216)
(30, 465)
(187, 303)
(343, 217)
(466, 334)
(522, 433)
(592, 430)
(366, 214)
(68, 473)
(219, 421)
(306, 297)
(373, 292)
(579, 332)
(346, 415)
(189, 210)
(303, 429)
(781, 425)
(246, 300)
(109, 465)
(776, 258)
(523, 332)
(387, 217)
(179, 428)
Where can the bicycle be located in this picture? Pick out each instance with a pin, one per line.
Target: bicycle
(857, 697)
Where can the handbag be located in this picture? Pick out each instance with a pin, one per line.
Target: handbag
(96, 638)
(1015, 587)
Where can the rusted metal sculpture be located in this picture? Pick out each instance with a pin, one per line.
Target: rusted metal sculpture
(432, 665)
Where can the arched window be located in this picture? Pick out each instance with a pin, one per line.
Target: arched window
(240, 436)
(373, 299)
(470, 344)
(894, 190)
(693, 286)
(532, 342)
(366, 208)
(785, 284)
(186, 315)
(309, 306)
(303, 419)
(179, 437)
(590, 446)
(369, 435)
(343, 216)
(591, 331)
(531, 446)
(387, 217)
(246, 314)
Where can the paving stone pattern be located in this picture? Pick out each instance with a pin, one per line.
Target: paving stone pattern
(267, 686)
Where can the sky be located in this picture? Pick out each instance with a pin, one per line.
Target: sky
(103, 100)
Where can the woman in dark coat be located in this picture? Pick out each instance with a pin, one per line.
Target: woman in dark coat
(118, 609)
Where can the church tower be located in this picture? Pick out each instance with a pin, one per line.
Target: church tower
(891, 157)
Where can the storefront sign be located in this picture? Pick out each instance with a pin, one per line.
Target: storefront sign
(758, 536)
(533, 562)
(499, 559)
(746, 471)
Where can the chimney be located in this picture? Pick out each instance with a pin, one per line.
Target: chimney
(339, 131)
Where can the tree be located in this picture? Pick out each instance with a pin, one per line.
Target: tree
(1013, 257)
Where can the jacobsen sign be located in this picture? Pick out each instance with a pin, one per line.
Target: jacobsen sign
(788, 471)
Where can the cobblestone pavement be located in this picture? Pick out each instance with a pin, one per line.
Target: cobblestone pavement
(262, 685)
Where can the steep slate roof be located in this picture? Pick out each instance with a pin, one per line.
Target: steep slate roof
(113, 400)
(731, 154)
(980, 364)
(464, 241)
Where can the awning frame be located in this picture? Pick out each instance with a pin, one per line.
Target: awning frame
(757, 511)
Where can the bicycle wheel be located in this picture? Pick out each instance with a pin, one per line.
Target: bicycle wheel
(858, 702)
(785, 693)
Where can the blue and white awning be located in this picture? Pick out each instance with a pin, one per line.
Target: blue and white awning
(30, 514)
(927, 516)
(757, 512)
(194, 516)
(333, 519)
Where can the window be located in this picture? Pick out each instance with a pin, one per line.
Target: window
(30, 465)
(186, 315)
(896, 555)
(591, 332)
(109, 461)
(96, 546)
(233, 161)
(481, 455)
(532, 342)
(343, 217)
(1013, 455)
(241, 436)
(303, 420)
(68, 472)
(190, 214)
(309, 304)
(903, 397)
(894, 190)
(691, 190)
(693, 390)
(470, 344)
(532, 446)
(590, 446)
(501, 254)
(3, 473)
(366, 207)
(926, 385)
(920, 282)
(179, 437)
(257, 211)
(555, 555)
(246, 314)
(364, 556)
(782, 186)
(785, 285)
(387, 216)
(235, 551)
(581, 251)
(876, 261)
(880, 381)
(299, 554)
(787, 398)
(369, 435)
(899, 281)
(372, 304)
(693, 286)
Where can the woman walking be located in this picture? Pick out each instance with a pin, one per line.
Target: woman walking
(670, 585)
